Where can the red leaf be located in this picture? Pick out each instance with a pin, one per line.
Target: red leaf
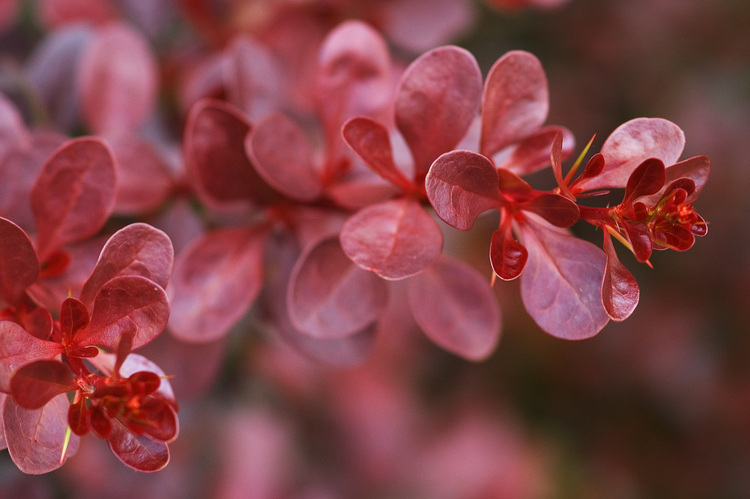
(35, 437)
(329, 297)
(13, 132)
(118, 79)
(126, 304)
(138, 249)
(157, 419)
(647, 179)
(561, 285)
(456, 308)
(369, 139)
(532, 153)
(74, 193)
(251, 77)
(514, 101)
(507, 256)
(696, 169)
(631, 144)
(137, 451)
(135, 363)
(18, 348)
(283, 158)
(215, 154)
(639, 239)
(461, 185)
(620, 291)
(73, 317)
(436, 101)
(395, 239)
(215, 280)
(37, 383)
(19, 266)
(554, 208)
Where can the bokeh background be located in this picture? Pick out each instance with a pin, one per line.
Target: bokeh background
(657, 406)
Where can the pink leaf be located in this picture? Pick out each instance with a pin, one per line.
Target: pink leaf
(631, 144)
(215, 280)
(215, 154)
(19, 266)
(532, 153)
(514, 101)
(137, 451)
(137, 249)
(251, 77)
(126, 304)
(13, 133)
(437, 100)
(394, 239)
(74, 193)
(55, 13)
(283, 158)
(620, 291)
(37, 383)
(461, 185)
(118, 79)
(456, 308)
(18, 348)
(561, 285)
(369, 139)
(329, 297)
(36, 437)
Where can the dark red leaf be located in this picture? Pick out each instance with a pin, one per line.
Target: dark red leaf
(18, 348)
(554, 208)
(436, 101)
(19, 266)
(461, 185)
(215, 281)
(36, 437)
(456, 308)
(507, 256)
(647, 179)
(118, 79)
(126, 304)
(514, 101)
(137, 249)
(369, 139)
(395, 239)
(35, 384)
(74, 193)
(329, 297)
(157, 419)
(138, 452)
(639, 239)
(101, 424)
(73, 317)
(282, 156)
(79, 418)
(620, 291)
(561, 285)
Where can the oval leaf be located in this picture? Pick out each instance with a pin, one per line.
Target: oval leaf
(126, 304)
(36, 437)
(437, 100)
(329, 297)
(515, 101)
(74, 193)
(215, 280)
(37, 383)
(456, 308)
(395, 239)
(19, 266)
(138, 249)
(620, 291)
(137, 451)
(18, 348)
(461, 185)
(507, 256)
(561, 285)
(647, 179)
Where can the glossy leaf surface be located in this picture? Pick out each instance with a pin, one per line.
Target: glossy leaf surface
(507, 256)
(456, 308)
(620, 292)
(394, 239)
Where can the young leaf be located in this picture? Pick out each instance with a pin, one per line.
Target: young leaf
(507, 256)
(461, 185)
(126, 304)
(138, 452)
(35, 384)
(74, 316)
(18, 348)
(215, 280)
(514, 101)
(283, 157)
(561, 285)
(620, 291)
(74, 193)
(137, 249)
(436, 101)
(647, 179)
(395, 239)
(19, 266)
(118, 79)
(456, 308)
(36, 437)
(329, 297)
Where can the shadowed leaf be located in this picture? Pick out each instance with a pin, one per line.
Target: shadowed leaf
(18, 348)
(137, 451)
(19, 266)
(37, 383)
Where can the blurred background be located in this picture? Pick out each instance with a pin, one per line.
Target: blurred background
(657, 406)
